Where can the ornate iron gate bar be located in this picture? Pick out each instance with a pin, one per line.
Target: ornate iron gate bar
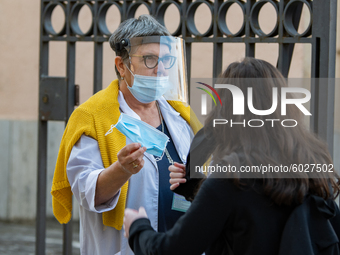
(320, 34)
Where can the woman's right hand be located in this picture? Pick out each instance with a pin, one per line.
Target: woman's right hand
(110, 180)
(177, 175)
(130, 158)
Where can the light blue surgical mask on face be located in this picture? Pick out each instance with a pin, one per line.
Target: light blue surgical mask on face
(147, 89)
(140, 132)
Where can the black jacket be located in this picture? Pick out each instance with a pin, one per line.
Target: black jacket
(224, 219)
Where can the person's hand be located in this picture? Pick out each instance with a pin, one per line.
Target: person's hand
(130, 158)
(177, 175)
(130, 216)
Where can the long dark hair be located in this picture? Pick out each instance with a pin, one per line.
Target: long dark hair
(272, 143)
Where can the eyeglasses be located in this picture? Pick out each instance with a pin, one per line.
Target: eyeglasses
(151, 61)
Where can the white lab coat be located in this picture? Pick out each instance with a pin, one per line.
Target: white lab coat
(84, 166)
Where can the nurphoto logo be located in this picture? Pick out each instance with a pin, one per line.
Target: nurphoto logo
(204, 97)
(238, 105)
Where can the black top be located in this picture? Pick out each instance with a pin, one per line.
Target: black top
(221, 218)
(166, 216)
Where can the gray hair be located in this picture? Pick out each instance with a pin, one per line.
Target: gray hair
(144, 25)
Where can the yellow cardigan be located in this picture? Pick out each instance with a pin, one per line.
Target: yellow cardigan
(94, 118)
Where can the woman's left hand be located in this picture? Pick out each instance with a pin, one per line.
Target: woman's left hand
(177, 175)
(130, 216)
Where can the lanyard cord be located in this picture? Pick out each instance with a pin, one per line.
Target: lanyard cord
(166, 150)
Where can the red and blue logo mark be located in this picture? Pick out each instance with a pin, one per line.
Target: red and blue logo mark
(208, 92)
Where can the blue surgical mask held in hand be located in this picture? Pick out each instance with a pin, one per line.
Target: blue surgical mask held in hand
(140, 132)
(147, 89)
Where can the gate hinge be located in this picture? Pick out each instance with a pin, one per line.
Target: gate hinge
(76, 95)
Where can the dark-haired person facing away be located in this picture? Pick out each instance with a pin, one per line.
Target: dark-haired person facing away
(288, 213)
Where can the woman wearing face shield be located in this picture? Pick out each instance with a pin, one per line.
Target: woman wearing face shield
(111, 156)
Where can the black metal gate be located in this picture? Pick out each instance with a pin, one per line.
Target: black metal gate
(59, 95)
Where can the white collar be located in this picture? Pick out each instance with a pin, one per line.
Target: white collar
(125, 108)
(163, 105)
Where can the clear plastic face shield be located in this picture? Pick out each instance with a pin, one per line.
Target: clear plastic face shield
(158, 61)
